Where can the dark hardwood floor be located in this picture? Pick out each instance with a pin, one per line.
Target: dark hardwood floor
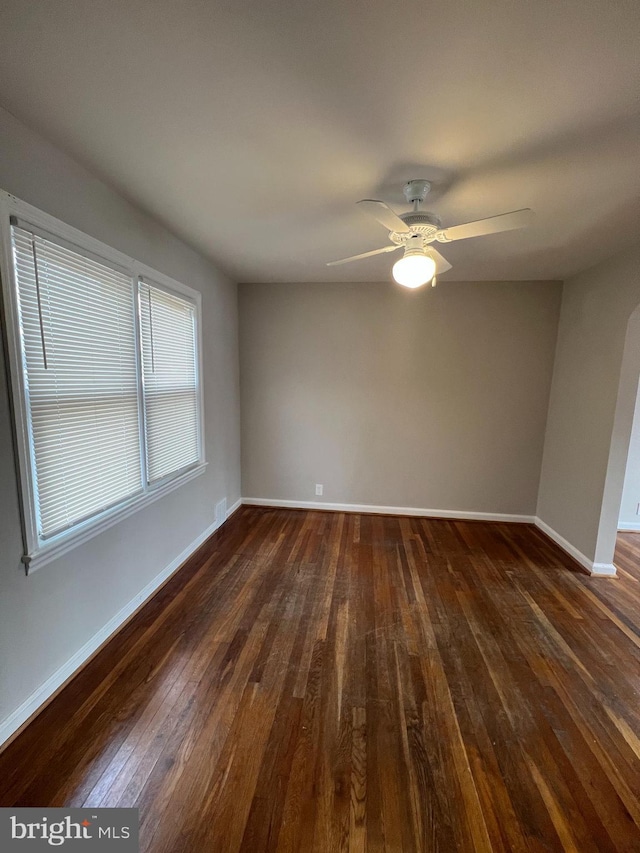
(325, 682)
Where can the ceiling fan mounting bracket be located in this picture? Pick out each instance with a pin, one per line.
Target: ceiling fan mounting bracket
(416, 190)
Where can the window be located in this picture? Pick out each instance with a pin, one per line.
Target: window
(105, 374)
(79, 354)
(168, 329)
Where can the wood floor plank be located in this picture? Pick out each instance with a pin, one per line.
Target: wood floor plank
(314, 681)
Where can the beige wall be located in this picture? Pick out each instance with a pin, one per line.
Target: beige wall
(47, 617)
(434, 399)
(589, 407)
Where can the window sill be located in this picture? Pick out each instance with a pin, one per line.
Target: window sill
(52, 550)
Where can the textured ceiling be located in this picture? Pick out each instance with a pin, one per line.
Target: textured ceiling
(251, 127)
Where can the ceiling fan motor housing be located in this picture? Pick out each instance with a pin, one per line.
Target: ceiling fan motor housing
(420, 222)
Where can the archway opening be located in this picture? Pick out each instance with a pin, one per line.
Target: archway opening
(627, 406)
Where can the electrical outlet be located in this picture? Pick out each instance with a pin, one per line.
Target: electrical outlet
(319, 488)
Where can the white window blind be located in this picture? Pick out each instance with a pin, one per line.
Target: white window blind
(77, 319)
(170, 381)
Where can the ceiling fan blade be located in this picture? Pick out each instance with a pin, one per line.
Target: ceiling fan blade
(363, 255)
(442, 264)
(492, 225)
(383, 213)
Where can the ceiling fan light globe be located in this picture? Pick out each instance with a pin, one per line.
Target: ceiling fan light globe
(414, 270)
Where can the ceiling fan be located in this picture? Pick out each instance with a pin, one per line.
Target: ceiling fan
(416, 230)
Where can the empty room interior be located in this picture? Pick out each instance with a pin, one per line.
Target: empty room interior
(320, 426)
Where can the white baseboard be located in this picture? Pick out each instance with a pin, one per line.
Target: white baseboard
(604, 570)
(233, 508)
(39, 697)
(595, 569)
(391, 510)
(629, 526)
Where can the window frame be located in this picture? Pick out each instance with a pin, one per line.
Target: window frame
(37, 551)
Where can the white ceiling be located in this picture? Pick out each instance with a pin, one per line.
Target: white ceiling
(250, 127)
